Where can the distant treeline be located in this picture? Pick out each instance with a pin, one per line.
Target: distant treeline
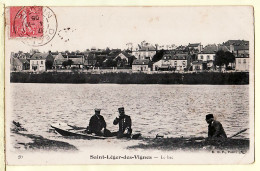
(132, 78)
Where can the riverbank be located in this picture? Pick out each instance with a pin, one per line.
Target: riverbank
(214, 78)
(24, 141)
(195, 144)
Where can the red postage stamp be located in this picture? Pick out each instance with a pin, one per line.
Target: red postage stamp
(26, 21)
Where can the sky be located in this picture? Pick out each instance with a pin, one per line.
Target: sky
(114, 27)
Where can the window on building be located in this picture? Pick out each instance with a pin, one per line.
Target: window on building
(239, 61)
(208, 57)
(37, 62)
(201, 57)
(41, 62)
(244, 61)
(184, 63)
(175, 63)
(32, 62)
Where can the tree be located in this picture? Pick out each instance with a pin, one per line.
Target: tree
(193, 57)
(107, 51)
(49, 64)
(223, 58)
(230, 58)
(219, 59)
(70, 62)
(67, 63)
(158, 56)
(131, 60)
(110, 63)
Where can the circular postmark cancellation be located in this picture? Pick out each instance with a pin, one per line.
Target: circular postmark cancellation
(37, 25)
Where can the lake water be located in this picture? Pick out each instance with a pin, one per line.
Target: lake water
(172, 110)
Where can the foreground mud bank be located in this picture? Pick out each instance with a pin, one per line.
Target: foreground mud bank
(36, 142)
(195, 144)
(25, 141)
(22, 140)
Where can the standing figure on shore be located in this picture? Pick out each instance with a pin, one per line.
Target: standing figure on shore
(215, 128)
(124, 121)
(97, 124)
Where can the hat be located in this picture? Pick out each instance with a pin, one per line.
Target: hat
(121, 109)
(97, 110)
(209, 116)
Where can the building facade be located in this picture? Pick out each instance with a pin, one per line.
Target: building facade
(144, 51)
(37, 65)
(176, 62)
(141, 65)
(39, 60)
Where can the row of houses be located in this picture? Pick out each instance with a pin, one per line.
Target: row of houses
(199, 58)
(43, 61)
(193, 57)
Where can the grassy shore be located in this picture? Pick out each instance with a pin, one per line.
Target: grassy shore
(22, 140)
(37, 142)
(233, 78)
(26, 141)
(195, 144)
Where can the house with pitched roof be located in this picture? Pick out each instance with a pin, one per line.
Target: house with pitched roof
(240, 49)
(199, 66)
(19, 64)
(235, 45)
(144, 51)
(172, 61)
(90, 60)
(207, 56)
(38, 61)
(142, 65)
(166, 47)
(58, 61)
(125, 57)
(77, 62)
(195, 46)
(242, 62)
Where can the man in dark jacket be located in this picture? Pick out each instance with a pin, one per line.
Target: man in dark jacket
(124, 121)
(215, 128)
(97, 123)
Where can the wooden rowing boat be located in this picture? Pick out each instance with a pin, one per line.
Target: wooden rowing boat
(66, 130)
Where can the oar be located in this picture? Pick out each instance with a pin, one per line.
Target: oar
(239, 133)
(76, 127)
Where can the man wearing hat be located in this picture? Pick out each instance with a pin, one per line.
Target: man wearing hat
(97, 123)
(124, 121)
(215, 128)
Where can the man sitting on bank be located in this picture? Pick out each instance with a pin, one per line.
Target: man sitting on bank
(215, 128)
(124, 122)
(97, 124)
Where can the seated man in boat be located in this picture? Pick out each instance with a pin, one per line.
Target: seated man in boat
(215, 128)
(97, 124)
(124, 121)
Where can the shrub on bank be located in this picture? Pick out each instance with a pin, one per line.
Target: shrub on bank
(132, 78)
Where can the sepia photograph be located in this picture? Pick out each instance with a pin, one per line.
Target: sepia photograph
(129, 85)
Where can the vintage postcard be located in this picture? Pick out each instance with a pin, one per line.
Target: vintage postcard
(129, 85)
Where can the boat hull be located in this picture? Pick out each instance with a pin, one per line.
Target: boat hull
(76, 133)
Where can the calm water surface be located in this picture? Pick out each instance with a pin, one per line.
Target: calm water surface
(172, 110)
